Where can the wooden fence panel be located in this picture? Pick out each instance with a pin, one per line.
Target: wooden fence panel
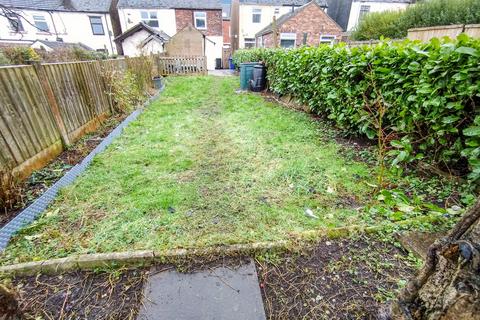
(27, 126)
(181, 65)
(43, 105)
(80, 94)
(427, 33)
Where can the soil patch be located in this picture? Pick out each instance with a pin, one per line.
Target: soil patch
(81, 295)
(336, 279)
(40, 180)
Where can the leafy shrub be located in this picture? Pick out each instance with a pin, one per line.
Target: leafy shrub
(441, 12)
(3, 60)
(69, 54)
(25, 55)
(125, 92)
(21, 55)
(249, 55)
(423, 14)
(378, 24)
(129, 88)
(431, 94)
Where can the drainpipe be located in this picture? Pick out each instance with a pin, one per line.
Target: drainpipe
(109, 34)
(204, 45)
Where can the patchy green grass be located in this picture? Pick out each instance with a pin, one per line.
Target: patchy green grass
(202, 166)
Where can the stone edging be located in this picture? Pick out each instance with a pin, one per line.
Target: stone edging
(150, 257)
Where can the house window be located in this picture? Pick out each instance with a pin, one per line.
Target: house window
(97, 25)
(40, 23)
(277, 11)
(327, 39)
(287, 40)
(200, 20)
(256, 15)
(150, 18)
(249, 42)
(261, 42)
(364, 10)
(15, 22)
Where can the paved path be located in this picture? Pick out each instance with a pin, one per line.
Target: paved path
(215, 294)
(221, 72)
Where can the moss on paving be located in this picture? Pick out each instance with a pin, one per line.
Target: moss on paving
(201, 166)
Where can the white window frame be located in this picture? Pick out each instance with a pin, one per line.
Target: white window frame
(288, 36)
(200, 15)
(327, 39)
(96, 21)
(40, 20)
(257, 12)
(250, 41)
(147, 16)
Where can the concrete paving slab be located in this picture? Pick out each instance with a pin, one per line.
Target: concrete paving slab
(215, 294)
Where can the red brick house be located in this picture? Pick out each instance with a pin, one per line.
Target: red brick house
(308, 25)
(211, 26)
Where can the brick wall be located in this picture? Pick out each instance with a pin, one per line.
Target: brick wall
(184, 18)
(313, 21)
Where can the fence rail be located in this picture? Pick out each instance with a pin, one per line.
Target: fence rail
(182, 65)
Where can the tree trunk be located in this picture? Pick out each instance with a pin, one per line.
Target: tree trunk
(448, 285)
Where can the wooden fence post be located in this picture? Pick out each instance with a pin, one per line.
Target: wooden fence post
(205, 70)
(52, 102)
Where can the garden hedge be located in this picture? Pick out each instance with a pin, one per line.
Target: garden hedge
(430, 93)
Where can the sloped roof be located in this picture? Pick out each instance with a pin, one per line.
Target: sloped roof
(60, 5)
(275, 2)
(64, 45)
(142, 26)
(284, 18)
(171, 4)
(339, 10)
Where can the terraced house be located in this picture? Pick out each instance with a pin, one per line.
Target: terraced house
(172, 16)
(308, 25)
(67, 21)
(250, 16)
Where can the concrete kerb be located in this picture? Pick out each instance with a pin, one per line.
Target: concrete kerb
(149, 257)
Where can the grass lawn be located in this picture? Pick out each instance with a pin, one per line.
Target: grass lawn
(202, 166)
